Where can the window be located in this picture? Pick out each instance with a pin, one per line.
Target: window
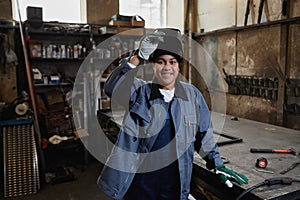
(153, 11)
(71, 11)
(74, 11)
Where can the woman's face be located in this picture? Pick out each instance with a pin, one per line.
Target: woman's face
(166, 70)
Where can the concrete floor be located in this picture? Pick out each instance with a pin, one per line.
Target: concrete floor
(84, 187)
(254, 135)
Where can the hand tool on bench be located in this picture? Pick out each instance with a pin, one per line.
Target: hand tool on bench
(290, 151)
(290, 168)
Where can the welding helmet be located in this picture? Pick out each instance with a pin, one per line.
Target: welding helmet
(170, 44)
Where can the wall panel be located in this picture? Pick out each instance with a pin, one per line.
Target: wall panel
(263, 53)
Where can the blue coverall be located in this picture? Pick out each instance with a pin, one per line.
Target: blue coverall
(190, 118)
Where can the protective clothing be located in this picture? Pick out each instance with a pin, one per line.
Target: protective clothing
(191, 118)
(171, 44)
(148, 44)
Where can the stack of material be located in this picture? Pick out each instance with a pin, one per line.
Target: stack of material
(125, 23)
(21, 173)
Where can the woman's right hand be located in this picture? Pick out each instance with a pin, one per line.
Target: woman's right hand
(135, 60)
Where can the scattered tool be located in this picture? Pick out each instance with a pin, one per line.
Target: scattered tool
(290, 168)
(291, 151)
(225, 160)
(265, 171)
(261, 162)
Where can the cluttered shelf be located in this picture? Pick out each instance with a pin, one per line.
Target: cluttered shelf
(52, 85)
(58, 52)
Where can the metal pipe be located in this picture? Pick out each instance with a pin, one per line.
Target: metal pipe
(190, 10)
(260, 9)
(31, 89)
(28, 72)
(247, 13)
(249, 27)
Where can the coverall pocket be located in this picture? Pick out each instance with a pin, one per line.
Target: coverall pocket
(190, 123)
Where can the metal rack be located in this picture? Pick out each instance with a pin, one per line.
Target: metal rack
(21, 173)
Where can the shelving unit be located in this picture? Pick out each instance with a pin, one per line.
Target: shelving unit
(69, 53)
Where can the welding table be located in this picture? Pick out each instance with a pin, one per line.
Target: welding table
(254, 135)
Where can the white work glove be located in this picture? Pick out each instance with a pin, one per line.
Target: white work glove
(190, 197)
(148, 44)
(56, 139)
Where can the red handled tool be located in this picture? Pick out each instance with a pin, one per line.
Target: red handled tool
(291, 151)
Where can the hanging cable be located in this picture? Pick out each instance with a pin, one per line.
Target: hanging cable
(269, 182)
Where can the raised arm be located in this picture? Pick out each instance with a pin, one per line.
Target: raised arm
(122, 82)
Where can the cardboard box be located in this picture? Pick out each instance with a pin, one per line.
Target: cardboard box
(35, 49)
(137, 31)
(128, 21)
(134, 23)
(119, 23)
(138, 23)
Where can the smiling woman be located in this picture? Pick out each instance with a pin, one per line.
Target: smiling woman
(54, 10)
(166, 69)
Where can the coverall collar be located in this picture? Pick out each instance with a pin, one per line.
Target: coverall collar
(179, 91)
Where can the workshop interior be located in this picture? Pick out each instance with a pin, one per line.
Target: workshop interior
(53, 70)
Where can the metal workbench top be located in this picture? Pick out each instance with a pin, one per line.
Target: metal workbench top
(261, 136)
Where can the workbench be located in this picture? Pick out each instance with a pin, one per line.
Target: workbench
(254, 135)
(246, 134)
